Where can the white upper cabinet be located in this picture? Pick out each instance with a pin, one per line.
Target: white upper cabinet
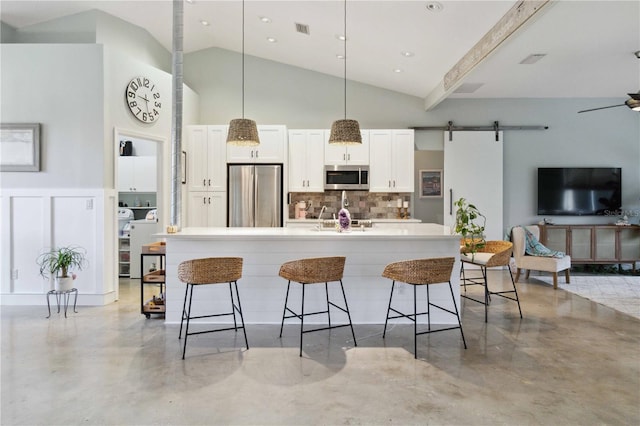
(271, 149)
(348, 154)
(137, 174)
(206, 158)
(391, 160)
(306, 151)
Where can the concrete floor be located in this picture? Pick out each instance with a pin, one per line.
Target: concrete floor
(568, 362)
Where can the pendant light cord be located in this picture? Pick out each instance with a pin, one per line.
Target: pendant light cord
(242, 58)
(345, 59)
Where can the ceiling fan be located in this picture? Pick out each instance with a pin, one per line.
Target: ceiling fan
(633, 102)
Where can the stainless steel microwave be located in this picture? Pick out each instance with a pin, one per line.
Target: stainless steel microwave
(346, 178)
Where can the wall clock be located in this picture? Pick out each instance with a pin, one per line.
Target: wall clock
(143, 99)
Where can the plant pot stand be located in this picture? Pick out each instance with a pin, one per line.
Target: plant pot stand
(65, 295)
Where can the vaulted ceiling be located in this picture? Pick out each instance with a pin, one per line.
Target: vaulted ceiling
(404, 46)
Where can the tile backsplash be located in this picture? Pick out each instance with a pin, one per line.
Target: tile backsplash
(362, 204)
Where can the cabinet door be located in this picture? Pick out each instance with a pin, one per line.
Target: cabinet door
(297, 160)
(629, 240)
(198, 209)
(380, 152)
(217, 158)
(217, 209)
(197, 158)
(314, 155)
(335, 154)
(145, 174)
(350, 154)
(555, 238)
(359, 154)
(402, 164)
(581, 243)
(605, 247)
(125, 174)
(270, 150)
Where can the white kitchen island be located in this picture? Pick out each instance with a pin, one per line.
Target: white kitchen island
(262, 291)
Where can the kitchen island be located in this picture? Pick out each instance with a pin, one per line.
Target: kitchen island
(262, 291)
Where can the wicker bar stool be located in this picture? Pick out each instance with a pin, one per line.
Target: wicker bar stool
(422, 272)
(314, 271)
(493, 254)
(212, 270)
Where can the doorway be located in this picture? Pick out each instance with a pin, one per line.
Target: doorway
(138, 182)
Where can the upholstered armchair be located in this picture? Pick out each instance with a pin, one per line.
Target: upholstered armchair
(537, 263)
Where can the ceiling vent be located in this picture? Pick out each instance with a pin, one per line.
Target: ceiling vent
(468, 87)
(532, 59)
(302, 28)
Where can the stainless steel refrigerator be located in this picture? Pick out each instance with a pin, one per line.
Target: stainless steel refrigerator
(255, 195)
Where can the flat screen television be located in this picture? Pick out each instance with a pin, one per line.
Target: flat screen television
(579, 191)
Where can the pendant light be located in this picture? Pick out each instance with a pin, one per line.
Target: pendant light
(345, 132)
(243, 131)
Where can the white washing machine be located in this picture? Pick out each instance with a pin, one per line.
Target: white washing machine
(141, 232)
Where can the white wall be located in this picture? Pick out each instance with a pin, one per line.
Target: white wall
(73, 199)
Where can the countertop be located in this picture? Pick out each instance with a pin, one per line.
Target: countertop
(315, 221)
(408, 231)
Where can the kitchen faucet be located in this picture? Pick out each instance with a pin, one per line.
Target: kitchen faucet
(319, 225)
(344, 202)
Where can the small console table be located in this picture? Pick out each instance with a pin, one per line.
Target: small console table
(65, 295)
(595, 244)
(155, 305)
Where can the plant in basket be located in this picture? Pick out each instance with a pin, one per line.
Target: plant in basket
(466, 225)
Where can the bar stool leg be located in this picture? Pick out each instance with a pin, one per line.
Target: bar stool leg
(455, 306)
(415, 324)
(286, 300)
(486, 293)
(302, 320)
(233, 311)
(326, 290)
(428, 310)
(184, 311)
(388, 309)
(515, 291)
(344, 296)
(244, 329)
(186, 332)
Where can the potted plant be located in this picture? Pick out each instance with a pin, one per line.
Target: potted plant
(466, 225)
(59, 262)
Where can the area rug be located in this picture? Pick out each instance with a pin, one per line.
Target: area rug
(620, 292)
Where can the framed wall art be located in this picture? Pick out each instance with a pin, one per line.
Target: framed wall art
(431, 183)
(19, 147)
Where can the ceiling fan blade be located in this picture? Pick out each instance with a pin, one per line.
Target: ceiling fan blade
(596, 109)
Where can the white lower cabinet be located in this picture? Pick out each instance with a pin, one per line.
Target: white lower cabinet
(391, 156)
(207, 209)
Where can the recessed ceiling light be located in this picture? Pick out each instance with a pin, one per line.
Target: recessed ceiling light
(397, 70)
(434, 6)
(340, 56)
(341, 37)
(407, 54)
(265, 20)
(205, 23)
(272, 40)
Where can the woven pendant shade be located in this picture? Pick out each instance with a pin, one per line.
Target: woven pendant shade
(243, 132)
(345, 132)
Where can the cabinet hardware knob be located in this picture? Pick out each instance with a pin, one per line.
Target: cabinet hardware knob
(209, 200)
(204, 182)
(349, 157)
(209, 182)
